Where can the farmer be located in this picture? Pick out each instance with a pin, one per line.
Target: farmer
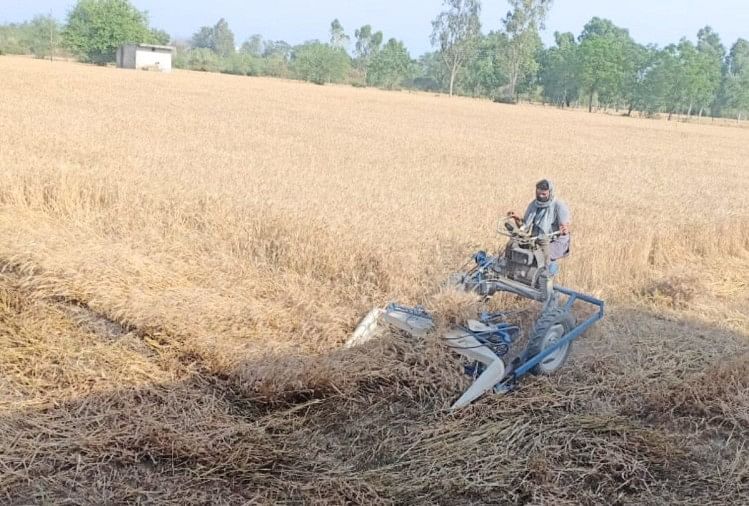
(547, 214)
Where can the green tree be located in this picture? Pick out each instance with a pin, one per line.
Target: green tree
(160, 37)
(44, 36)
(700, 77)
(735, 86)
(665, 81)
(367, 45)
(320, 63)
(712, 54)
(223, 39)
(654, 81)
(241, 64)
(521, 25)
(96, 28)
(737, 61)
(181, 55)
(203, 58)
(203, 38)
(605, 61)
(276, 58)
(559, 70)
(456, 33)
(390, 66)
(338, 37)
(486, 74)
(253, 46)
(218, 38)
(638, 62)
(737, 94)
(708, 41)
(675, 80)
(599, 67)
(431, 73)
(14, 38)
(277, 48)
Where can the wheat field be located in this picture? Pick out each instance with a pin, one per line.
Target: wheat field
(183, 256)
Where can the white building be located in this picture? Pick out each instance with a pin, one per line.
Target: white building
(145, 57)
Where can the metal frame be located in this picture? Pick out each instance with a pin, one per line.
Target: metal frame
(475, 345)
(573, 334)
(487, 342)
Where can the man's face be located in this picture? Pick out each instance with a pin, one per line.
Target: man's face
(542, 195)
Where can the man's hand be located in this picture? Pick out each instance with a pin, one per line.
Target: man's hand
(564, 228)
(515, 218)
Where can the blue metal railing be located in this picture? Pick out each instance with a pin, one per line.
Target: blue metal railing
(504, 331)
(571, 335)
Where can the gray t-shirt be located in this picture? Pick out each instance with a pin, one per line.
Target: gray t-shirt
(560, 214)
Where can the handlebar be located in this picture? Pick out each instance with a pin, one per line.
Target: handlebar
(501, 231)
(532, 238)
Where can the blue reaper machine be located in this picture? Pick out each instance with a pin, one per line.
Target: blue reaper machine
(490, 345)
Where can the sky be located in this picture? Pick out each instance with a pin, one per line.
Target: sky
(649, 21)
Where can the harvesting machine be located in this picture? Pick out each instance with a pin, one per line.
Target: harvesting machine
(490, 345)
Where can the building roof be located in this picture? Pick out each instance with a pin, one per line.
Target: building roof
(155, 46)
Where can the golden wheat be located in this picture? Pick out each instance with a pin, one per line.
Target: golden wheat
(184, 254)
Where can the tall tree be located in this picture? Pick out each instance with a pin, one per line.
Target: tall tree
(642, 90)
(638, 61)
(712, 54)
(486, 73)
(666, 81)
(13, 39)
(276, 58)
(367, 45)
(253, 46)
(521, 24)
(320, 63)
(390, 66)
(218, 38)
(223, 39)
(678, 79)
(204, 59)
(338, 37)
(45, 36)
(736, 82)
(605, 59)
(701, 77)
(277, 48)
(708, 41)
(96, 28)
(559, 70)
(455, 32)
(432, 73)
(737, 61)
(203, 38)
(160, 37)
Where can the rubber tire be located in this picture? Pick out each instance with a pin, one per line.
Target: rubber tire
(545, 322)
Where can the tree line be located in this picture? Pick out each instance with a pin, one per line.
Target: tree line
(602, 67)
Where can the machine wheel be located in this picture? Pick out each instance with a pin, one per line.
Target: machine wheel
(548, 329)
